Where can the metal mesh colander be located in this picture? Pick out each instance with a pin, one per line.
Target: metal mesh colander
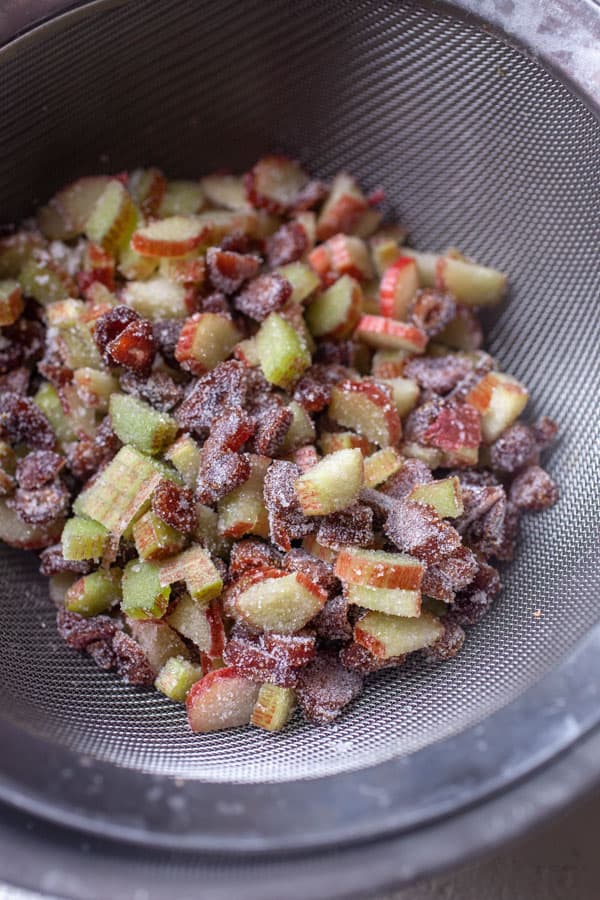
(476, 145)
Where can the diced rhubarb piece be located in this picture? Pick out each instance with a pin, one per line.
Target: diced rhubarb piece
(463, 332)
(134, 348)
(389, 363)
(417, 529)
(336, 312)
(181, 198)
(301, 430)
(147, 187)
(282, 352)
(471, 284)
(144, 597)
(533, 490)
(432, 310)
(367, 408)
(352, 525)
(320, 262)
(392, 601)
(428, 455)
(188, 270)
(120, 491)
(11, 302)
(98, 265)
(379, 569)
(343, 209)
(325, 687)
(350, 256)
(332, 441)
(221, 699)
(94, 594)
(388, 334)
(247, 352)
(83, 539)
(399, 284)
(207, 533)
(306, 457)
(274, 183)
(274, 658)
(386, 636)
(175, 236)
(184, 454)
(175, 505)
(225, 191)
(156, 299)
(405, 392)
(243, 510)
(67, 212)
(332, 484)
(17, 533)
(132, 265)
(381, 465)
(154, 539)
(138, 424)
(15, 250)
(159, 642)
(500, 399)
(263, 295)
(303, 280)
(200, 623)
(445, 496)
(385, 246)
(176, 677)
(228, 270)
(205, 340)
(456, 431)
(94, 387)
(113, 217)
(316, 570)
(48, 401)
(287, 245)
(43, 279)
(284, 604)
(311, 545)
(274, 707)
(74, 336)
(251, 554)
(196, 568)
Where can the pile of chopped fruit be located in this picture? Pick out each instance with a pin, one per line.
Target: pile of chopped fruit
(255, 437)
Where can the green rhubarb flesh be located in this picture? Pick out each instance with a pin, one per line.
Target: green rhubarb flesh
(83, 539)
(154, 539)
(138, 424)
(120, 491)
(197, 570)
(94, 594)
(176, 678)
(184, 454)
(48, 401)
(144, 596)
(282, 353)
(303, 279)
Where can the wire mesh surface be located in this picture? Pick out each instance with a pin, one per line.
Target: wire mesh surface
(476, 146)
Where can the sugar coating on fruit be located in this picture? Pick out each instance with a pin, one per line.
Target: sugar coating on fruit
(255, 438)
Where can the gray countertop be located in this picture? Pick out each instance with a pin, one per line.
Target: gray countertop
(559, 861)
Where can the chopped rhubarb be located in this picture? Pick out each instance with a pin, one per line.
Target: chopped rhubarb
(221, 699)
(225, 403)
(331, 484)
(388, 636)
(399, 284)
